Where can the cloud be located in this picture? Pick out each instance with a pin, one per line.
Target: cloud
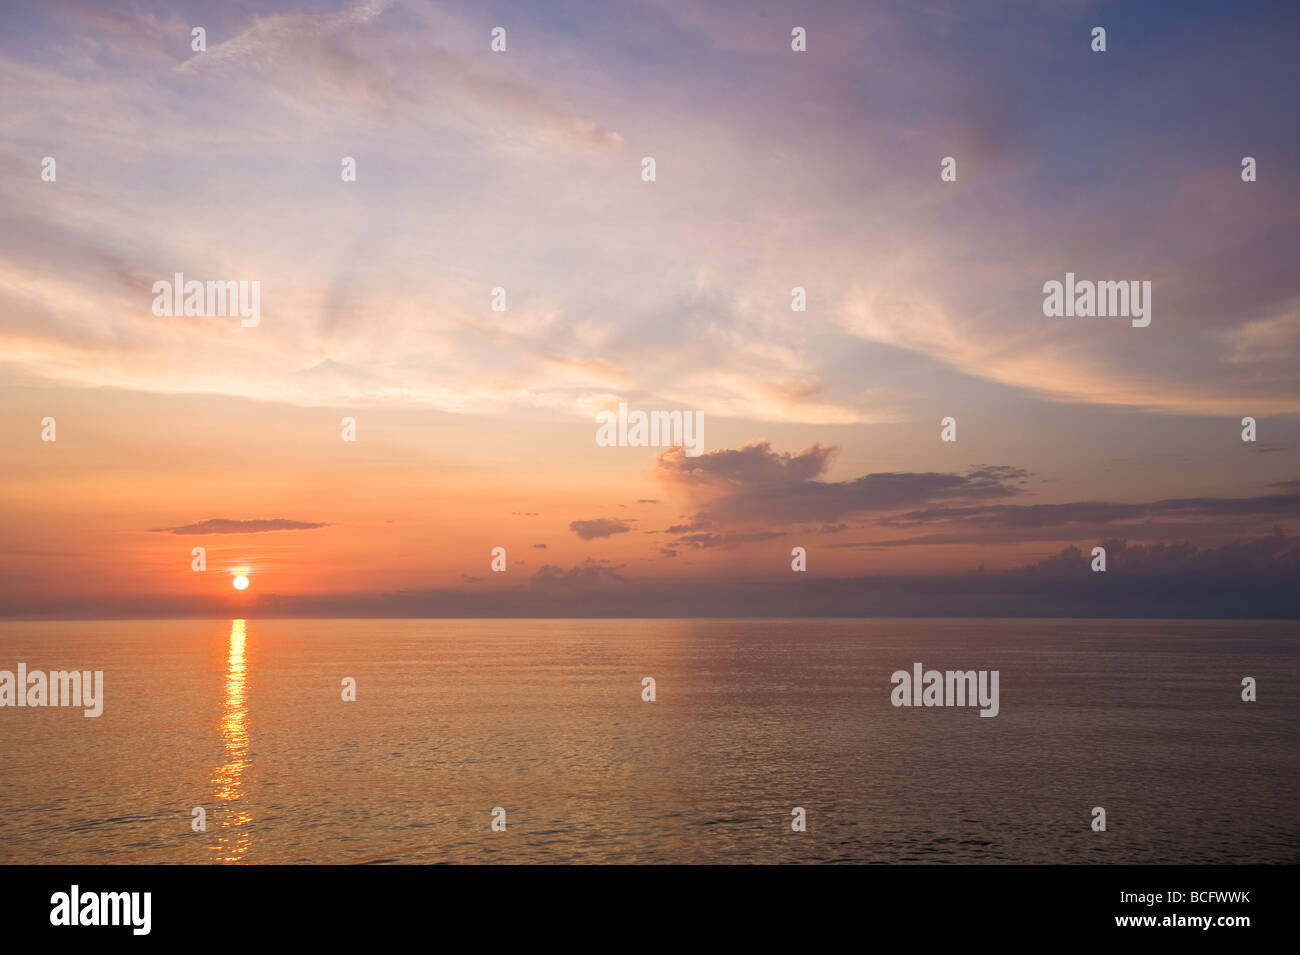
(221, 525)
(599, 527)
(1096, 513)
(755, 483)
(754, 464)
(1177, 564)
(694, 305)
(551, 577)
(714, 541)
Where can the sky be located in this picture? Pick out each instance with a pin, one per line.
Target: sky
(523, 170)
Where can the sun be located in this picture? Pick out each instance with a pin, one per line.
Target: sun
(240, 582)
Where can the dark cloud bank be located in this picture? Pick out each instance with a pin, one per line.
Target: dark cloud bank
(1250, 579)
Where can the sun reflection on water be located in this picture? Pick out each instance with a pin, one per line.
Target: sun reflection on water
(232, 838)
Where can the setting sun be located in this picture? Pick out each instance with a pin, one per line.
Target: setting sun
(240, 582)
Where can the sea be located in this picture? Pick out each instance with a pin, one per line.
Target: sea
(766, 741)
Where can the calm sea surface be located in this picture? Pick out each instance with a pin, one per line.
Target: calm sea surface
(544, 718)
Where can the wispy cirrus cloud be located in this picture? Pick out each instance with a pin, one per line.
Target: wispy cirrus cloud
(692, 310)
